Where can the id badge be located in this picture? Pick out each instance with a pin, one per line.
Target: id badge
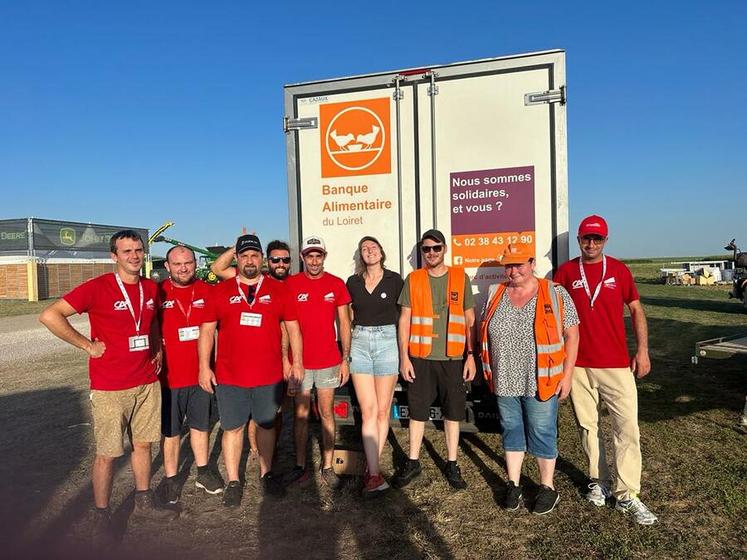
(251, 319)
(189, 333)
(139, 343)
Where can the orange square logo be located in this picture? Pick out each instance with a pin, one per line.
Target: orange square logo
(355, 138)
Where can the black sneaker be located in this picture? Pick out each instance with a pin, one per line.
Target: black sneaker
(547, 499)
(513, 496)
(410, 470)
(454, 476)
(232, 494)
(146, 508)
(210, 482)
(102, 531)
(271, 486)
(297, 475)
(168, 490)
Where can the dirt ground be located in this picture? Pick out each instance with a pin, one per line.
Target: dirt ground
(695, 467)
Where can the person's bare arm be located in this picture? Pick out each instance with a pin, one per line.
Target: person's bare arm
(343, 317)
(571, 337)
(205, 353)
(470, 368)
(296, 345)
(641, 363)
(54, 317)
(405, 365)
(221, 266)
(284, 350)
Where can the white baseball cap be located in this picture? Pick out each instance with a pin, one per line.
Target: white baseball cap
(313, 243)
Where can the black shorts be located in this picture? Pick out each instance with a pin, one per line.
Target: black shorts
(236, 405)
(442, 378)
(185, 405)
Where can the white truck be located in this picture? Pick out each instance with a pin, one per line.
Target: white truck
(475, 149)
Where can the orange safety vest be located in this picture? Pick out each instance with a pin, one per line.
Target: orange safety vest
(421, 320)
(548, 336)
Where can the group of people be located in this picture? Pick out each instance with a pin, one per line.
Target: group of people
(263, 342)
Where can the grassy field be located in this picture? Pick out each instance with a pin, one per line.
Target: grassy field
(694, 478)
(15, 307)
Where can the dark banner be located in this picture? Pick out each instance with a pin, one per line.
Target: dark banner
(13, 237)
(73, 236)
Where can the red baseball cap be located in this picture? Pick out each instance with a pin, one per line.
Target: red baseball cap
(593, 225)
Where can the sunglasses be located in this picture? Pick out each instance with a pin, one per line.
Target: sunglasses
(428, 248)
(277, 260)
(593, 239)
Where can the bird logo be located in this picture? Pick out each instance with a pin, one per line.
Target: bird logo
(355, 138)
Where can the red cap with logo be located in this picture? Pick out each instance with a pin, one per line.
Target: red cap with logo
(593, 225)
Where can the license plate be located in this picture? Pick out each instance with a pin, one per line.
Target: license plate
(403, 411)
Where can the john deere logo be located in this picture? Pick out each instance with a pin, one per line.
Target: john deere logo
(67, 236)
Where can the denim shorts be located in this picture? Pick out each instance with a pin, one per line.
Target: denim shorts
(374, 350)
(529, 424)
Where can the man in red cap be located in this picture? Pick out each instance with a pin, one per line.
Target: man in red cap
(600, 286)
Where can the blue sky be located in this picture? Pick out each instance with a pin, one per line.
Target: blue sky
(141, 112)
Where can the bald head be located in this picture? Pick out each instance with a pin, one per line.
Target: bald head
(181, 264)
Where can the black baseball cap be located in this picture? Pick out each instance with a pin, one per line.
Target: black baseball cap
(246, 242)
(435, 235)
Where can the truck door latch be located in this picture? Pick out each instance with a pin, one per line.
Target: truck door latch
(549, 96)
(299, 124)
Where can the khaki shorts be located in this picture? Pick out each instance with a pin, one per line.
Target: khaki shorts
(135, 411)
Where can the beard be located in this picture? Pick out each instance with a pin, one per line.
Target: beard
(250, 271)
(279, 273)
(179, 282)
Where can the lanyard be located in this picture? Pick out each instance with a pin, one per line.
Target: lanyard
(593, 298)
(256, 290)
(129, 303)
(179, 303)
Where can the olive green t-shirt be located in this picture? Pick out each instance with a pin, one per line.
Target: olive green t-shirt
(439, 287)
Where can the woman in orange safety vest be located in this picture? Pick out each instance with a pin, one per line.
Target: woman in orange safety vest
(529, 341)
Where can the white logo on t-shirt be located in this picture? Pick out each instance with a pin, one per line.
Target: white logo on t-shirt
(198, 303)
(330, 297)
(168, 304)
(265, 299)
(120, 305)
(234, 299)
(303, 297)
(610, 283)
(150, 304)
(577, 284)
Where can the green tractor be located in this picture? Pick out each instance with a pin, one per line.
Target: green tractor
(205, 256)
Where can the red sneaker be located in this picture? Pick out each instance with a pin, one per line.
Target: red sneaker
(374, 485)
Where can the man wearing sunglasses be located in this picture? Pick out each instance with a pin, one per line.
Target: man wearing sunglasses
(600, 287)
(436, 342)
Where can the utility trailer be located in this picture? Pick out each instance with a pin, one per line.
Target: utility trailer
(720, 348)
(475, 149)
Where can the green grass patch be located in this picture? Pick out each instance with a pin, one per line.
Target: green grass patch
(15, 307)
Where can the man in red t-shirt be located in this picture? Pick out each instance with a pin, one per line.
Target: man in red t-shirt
(248, 312)
(183, 299)
(321, 299)
(124, 359)
(600, 287)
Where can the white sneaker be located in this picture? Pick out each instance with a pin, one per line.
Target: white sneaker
(598, 493)
(635, 507)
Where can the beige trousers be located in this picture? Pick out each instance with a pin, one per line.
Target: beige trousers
(617, 389)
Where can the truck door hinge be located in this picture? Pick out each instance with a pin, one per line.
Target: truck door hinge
(433, 88)
(549, 96)
(290, 124)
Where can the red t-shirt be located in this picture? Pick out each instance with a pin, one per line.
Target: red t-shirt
(317, 302)
(112, 324)
(602, 331)
(181, 306)
(249, 355)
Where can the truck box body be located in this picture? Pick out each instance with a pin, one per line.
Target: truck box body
(475, 149)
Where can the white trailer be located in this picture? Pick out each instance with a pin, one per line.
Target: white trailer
(475, 149)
